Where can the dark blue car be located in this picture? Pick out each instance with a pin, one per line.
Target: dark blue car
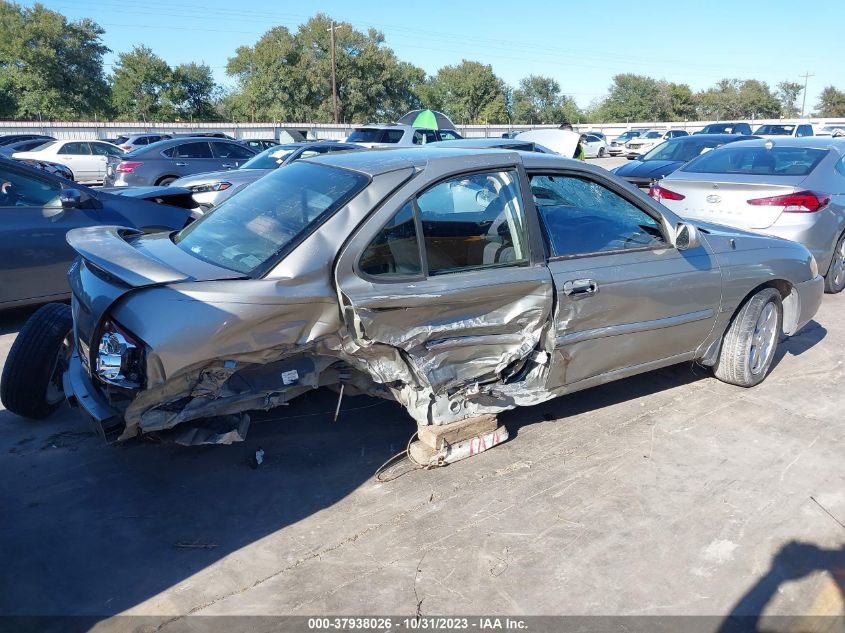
(669, 156)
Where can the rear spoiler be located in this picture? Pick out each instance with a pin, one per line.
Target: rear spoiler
(106, 248)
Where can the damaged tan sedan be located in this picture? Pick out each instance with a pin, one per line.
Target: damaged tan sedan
(460, 283)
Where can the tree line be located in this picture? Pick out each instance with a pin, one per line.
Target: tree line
(52, 68)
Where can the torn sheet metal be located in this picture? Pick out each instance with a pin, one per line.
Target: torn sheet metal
(218, 430)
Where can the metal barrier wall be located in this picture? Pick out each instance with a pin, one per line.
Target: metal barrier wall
(111, 129)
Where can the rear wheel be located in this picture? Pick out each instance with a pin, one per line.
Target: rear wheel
(164, 182)
(31, 384)
(834, 280)
(601, 152)
(749, 345)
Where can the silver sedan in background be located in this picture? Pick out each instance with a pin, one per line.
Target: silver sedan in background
(212, 188)
(788, 187)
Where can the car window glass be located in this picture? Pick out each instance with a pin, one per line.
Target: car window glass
(100, 149)
(580, 216)
(75, 148)
(840, 166)
(395, 251)
(449, 135)
(192, 150)
(392, 136)
(231, 150)
(777, 161)
(18, 189)
(473, 221)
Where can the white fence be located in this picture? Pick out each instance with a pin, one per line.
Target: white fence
(111, 129)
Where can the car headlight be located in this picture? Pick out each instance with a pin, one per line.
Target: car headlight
(210, 186)
(120, 357)
(814, 267)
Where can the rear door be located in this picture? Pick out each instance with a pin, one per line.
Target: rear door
(101, 153)
(77, 156)
(627, 300)
(193, 157)
(447, 277)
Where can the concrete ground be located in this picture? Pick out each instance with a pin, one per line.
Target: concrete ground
(668, 493)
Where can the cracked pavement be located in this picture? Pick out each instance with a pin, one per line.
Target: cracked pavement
(668, 493)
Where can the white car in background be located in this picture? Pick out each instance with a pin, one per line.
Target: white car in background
(648, 140)
(836, 131)
(87, 160)
(781, 130)
(594, 146)
(617, 145)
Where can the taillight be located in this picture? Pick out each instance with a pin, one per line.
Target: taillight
(126, 148)
(127, 168)
(662, 193)
(800, 202)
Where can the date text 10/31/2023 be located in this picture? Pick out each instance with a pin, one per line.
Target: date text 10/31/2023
(421, 623)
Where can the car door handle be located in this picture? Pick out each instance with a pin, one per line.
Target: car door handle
(181, 164)
(580, 288)
(226, 166)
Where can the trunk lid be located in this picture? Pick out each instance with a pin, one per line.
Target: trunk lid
(725, 201)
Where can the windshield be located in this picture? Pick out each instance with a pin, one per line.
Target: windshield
(653, 134)
(270, 158)
(266, 220)
(628, 135)
(776, 130)
(681, 150)
(717, 129)
(778, 161)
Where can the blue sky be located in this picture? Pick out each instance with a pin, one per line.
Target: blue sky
(581, 44)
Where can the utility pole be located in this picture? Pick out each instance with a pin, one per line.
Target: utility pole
(334, 73)
(806, 76)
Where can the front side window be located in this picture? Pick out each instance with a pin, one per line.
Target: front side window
(75, 148)
(421, 137)
(392, 136)
(581, 217)
(449, 135)
(18, 189)
(101, 149)
(261, 223)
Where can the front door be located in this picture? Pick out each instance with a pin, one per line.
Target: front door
(626, 298)
(448, 282)
(33, 225)
(77, 156)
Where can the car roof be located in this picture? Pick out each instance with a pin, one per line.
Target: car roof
(712, 137)
(810, 142)
(480, 142)
(375, 162)
(386, 126)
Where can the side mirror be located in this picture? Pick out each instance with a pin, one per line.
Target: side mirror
(686, 236)
(70, 198)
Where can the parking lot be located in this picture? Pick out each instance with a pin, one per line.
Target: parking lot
(669, 493)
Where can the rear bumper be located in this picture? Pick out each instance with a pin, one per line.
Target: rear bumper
(818, 232)
(81, 393)
(810, 294)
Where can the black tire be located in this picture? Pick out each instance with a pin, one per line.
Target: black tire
(601, 152)
(33, 369)
(737, 364)
(164, 182)
(834, 280)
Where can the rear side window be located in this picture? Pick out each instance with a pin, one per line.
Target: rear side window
(449, 135)
(392, 136)
(395, 252)
(421, 137)
(778, 161)
(191, 150)
(75, 148)
(365, 135)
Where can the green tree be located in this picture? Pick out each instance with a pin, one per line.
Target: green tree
(787, 93)
(468, 92)
(193, 92)
(140, 86)
(737, 99)
(539, 100)
(50, 67)
(640, 98)
(831, 103)
(288, 75)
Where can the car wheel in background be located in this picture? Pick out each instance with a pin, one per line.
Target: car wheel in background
(165, 182)
(751, 340)
(31, 384)
(601, 152)
(834, 280)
